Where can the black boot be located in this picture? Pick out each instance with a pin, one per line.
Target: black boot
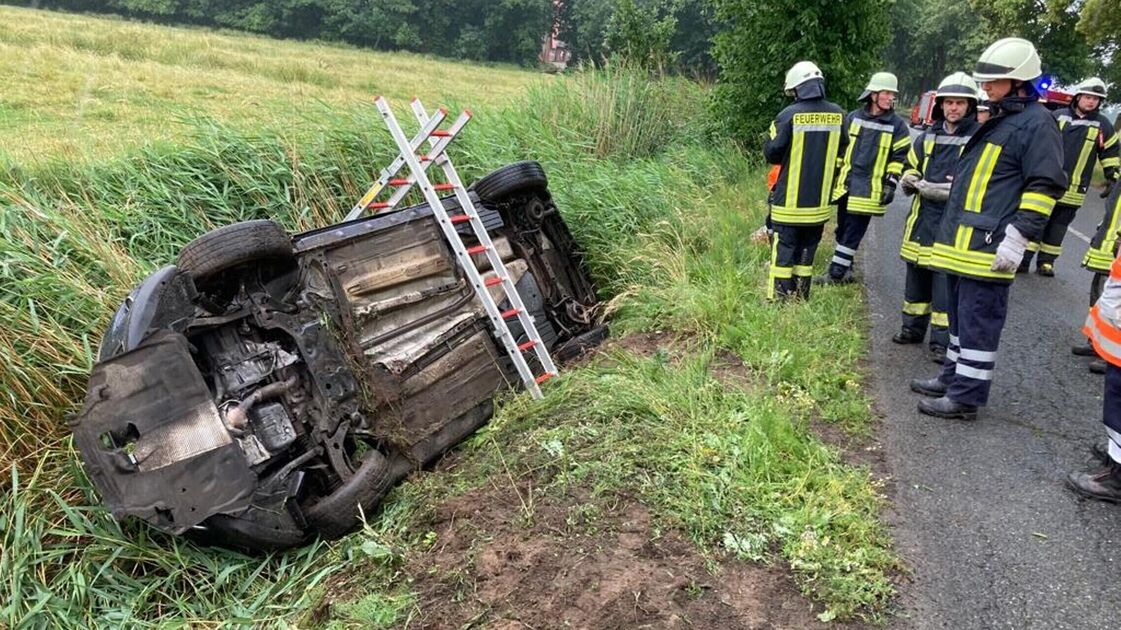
(1103, 484)
(803, 283)
(933, 387)
(1045, 269)
(1025, 264)
(1100, 451)
(945, 408)
(1097, 366)
(907, 337)
(938, 354)
(1083, 350)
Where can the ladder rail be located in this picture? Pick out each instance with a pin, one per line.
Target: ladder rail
(509, 288)
(502, 330)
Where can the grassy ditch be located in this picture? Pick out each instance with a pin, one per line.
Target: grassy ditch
(665, 217)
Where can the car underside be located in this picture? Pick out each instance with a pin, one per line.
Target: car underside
(267, 388)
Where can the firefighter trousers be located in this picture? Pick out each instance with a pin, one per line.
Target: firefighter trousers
(1111, 412)
(925, 303)
(850, 231)
(792, 257)
(977, 311)
(1050, 246)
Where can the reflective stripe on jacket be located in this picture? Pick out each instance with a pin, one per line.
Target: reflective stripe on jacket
(877, 147)
(932, 157)
(1103, 247)
(1010, 172)
(805, 139)
(1085, 141)
(1105, 335)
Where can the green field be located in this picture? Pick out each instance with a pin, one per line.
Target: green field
(733, 464)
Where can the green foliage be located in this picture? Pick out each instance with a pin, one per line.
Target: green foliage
(1050, 25)
(1100, 23)
(639, 36)
(931, 39)
(763, 38)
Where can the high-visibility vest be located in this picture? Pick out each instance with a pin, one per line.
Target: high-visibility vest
(1105, 336)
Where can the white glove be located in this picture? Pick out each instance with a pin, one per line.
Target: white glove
(1109, 304)
(908, 183)
(1011, 250)
(935, 192)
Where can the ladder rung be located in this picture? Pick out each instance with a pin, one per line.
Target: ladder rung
(544, 377)
(527, 345)
(443, 186)
(459, 218)
(424, 158)
(477, 249)
(490, 282)
(441, 133)
(399, 182)
(379, 204)
(508, 314)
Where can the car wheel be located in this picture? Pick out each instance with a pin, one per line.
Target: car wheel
(513, 179)
(337, 513)
(230, 246)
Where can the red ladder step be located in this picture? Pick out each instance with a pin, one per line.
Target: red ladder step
(379, 204)
(477, 249)
(544, 377)
(527, 345)
(459, 218)
(443, 186)
(490, 282)
(508, 314)
(399, 182)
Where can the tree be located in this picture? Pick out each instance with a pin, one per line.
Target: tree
(641, 34)
(1100, 24)
(1049, 24)
(931, 39)
(763, 38)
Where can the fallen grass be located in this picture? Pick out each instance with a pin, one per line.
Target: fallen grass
(89, 87)
(666, 220)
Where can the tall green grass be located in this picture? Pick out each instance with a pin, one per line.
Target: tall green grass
(665, 219)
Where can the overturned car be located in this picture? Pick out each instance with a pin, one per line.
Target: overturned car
(271, 388)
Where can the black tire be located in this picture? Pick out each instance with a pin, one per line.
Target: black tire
(336, 514)
(513, 179)
(233, 245)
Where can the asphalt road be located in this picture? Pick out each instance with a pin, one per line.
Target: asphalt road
(991, 535)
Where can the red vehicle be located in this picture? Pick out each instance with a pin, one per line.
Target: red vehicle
(922, 114)
(1054, 99)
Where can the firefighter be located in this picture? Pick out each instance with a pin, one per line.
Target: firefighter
(1006, 183)
(1103, 327)
(928, 176)
(1087, 138)
(878, 140)
(1103, 247)
(805, 139)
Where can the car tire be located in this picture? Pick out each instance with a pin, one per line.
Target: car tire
(233, 245)
(510, 180)
(336, 514)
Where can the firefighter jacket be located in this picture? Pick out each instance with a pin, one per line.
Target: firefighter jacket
(1103, 247)
(806, 140)
(1010, 172)
(1085, 140)
(877, 148)
(932, 157)
(1103, 327)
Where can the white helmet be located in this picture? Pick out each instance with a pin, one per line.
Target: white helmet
(801, 72)
(880, 82)
(958, 84)
(1010, 58)
(1092, 86)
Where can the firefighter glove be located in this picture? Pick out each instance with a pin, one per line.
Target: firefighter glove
(934, 192)
(890, 182)
(908, 183)
(1011, 250)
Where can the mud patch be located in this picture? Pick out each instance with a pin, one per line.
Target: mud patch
(498, 563)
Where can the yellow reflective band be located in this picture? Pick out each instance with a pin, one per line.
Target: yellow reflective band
(782, 273)
(1054, 250)
(803, 271)
(913, 160)
(895, 168)
(846, 164)
(801, 216)
(883, 153)
(1111, 161)
(916, 308)
(912, 218)
(902, 142)
(949, 259)
(827, 176)
(1084, 158)
(981, 176)
(774, 131)
(1037, 202)
(942, 320)
(1033, 246)
(862, 205)
(794, 177)
(1109, 143)
(1073, 197)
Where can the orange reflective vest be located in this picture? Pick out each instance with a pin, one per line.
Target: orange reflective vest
(1105, 336)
